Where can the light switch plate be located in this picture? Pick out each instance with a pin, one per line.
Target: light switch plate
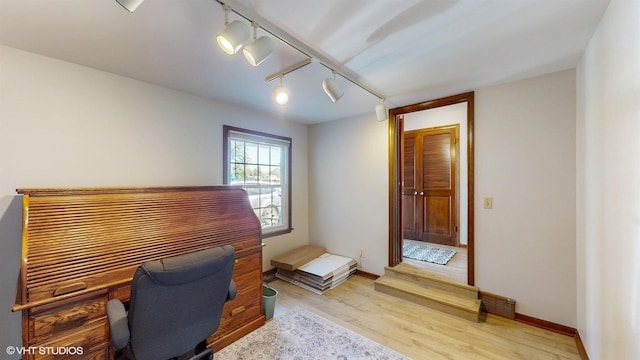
(488, 203)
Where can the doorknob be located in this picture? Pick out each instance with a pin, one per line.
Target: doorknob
(421, 193)
(415, 193)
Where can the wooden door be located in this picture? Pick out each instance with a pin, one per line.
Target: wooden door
(410, 213)
(429, 200)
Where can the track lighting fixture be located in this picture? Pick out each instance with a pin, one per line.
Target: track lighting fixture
(233, 37)
(236, 34)
(130, 5)
(381, 111)
(259, 50)
(332, 89)
(280, 93)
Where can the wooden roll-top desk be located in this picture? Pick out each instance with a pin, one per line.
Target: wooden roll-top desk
(80, 248)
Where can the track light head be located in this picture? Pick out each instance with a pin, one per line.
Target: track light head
(381, 111)
(280, 93)
(332, 89)
(130, 5)
(233, 37)
(258, 51)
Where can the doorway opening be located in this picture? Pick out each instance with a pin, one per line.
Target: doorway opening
(453, 226)
(431, 176)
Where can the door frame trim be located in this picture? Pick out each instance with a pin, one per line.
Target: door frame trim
(395, 168)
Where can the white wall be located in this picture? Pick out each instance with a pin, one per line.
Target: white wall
(348, 189)
(524, 159)
(63, 125)
(608, 183)
(447, 115)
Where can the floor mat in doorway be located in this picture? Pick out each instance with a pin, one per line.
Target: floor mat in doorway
(427, 253)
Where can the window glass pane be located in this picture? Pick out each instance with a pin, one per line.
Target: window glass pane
(270, 206)
(275, 155)
(237, 173)
(274, 174)
(263, 174)
(237, 151)
(264, 150)
(251, 153)
(251, 173)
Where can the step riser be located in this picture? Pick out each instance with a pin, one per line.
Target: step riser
(469, 293)
(389, 290)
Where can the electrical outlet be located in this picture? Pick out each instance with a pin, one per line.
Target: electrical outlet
(361, 253)
(488, 203)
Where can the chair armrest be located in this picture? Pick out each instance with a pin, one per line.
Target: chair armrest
(118, 323)
(233, 291)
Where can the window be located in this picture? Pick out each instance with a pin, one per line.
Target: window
(261, 164)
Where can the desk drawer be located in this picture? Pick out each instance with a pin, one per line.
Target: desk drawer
(87, 343)
(70, 316)
(247, 264)
(240, 311)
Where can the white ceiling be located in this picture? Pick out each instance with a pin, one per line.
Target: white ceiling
(406, 50)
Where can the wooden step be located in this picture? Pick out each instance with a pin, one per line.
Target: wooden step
(434, 298)
(415, 275)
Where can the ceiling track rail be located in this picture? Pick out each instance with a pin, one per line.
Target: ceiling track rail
(288, 70)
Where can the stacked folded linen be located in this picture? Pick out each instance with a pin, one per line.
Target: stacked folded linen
(320, 274)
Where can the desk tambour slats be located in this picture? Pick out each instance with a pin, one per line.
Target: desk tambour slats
(84, 237)
(79, 240)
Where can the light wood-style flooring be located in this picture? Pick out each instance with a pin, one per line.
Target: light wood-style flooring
(419, 332)
(454, 270)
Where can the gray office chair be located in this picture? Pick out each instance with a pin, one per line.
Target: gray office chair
(175, 304)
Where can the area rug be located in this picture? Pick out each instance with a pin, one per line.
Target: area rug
(302, 335)
(427, 253)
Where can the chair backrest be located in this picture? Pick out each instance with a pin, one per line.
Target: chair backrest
(177, 302)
